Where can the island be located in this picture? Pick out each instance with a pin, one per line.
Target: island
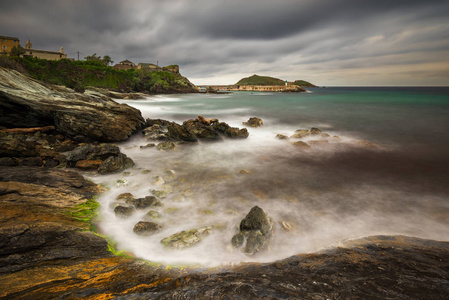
(257, 83)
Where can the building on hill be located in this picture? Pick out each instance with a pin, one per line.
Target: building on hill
(125, 65)
(44, 54)
(7, 43)
(146, 66)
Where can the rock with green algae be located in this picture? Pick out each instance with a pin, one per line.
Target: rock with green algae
(144, 228)
(161, 194)
(146, 202)
(186, 239)
(124, 211)
(256, 230)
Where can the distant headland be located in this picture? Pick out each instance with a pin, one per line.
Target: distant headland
(258, 83)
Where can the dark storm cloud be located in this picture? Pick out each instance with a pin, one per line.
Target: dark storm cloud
(224, 37)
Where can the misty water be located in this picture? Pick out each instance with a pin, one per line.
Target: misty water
(334, 191)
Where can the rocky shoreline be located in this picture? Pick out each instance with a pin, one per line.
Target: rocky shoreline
(50, 250)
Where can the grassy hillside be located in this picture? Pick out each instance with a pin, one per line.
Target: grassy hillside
(260, 80)
(303, 83)
(81, 74)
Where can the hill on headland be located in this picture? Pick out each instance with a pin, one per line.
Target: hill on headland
(266, 80)
(260, 80)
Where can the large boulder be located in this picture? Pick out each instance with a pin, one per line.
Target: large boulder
(202, 131)
(230, 132)
(253, 122)
(25, 102)
(158, 129)
(114, 164)
(92, 152)
(256, 230)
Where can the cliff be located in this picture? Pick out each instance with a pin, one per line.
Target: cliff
(79, 75)
(26, 102)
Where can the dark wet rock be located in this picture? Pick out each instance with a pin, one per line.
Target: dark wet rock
(16, 145)
(146, 228)
(124, 211)
(161, 194)
(51, 163)
(32, 161)
(185, 239)
(281, 137)
(150, 145)
(93, 152)
(152, 214)
(6, 161)
(230, 132)
(202, 131)
(238, 240)
(125, 197)
(65, 146)
(253, 122)
(257, 219)
(256, 229)
(147, 202)
(166, 146)
(300, 133)
(174, 132)
(29, 103)
(114, 164)
(315, 131)
(156, 132)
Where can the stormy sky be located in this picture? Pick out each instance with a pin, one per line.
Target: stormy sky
(327, 42)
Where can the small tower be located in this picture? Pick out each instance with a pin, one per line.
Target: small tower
(28, 45)
(61, 49)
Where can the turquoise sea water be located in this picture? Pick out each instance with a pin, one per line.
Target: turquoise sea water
(338, 189)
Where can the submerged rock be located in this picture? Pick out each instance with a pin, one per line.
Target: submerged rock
(146, 228)
(124, 211)
(281, 137)
(253, 122)
(142, 203)
(166, 146)
(300, 133)
(185, 239)
(301, 145)
(152, 214)
(256, 229)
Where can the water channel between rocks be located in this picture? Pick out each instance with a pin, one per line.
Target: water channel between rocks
(317, 197)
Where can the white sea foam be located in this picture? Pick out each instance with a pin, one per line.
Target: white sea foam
(291, 185)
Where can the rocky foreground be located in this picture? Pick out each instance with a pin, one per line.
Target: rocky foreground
(47, 251)
(49, 248)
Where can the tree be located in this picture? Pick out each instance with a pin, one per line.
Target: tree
(93, 57)
(107, 60)
(17, 51)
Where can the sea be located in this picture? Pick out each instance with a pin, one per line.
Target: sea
(379, 167)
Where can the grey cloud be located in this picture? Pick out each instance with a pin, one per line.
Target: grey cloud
(210, 38)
